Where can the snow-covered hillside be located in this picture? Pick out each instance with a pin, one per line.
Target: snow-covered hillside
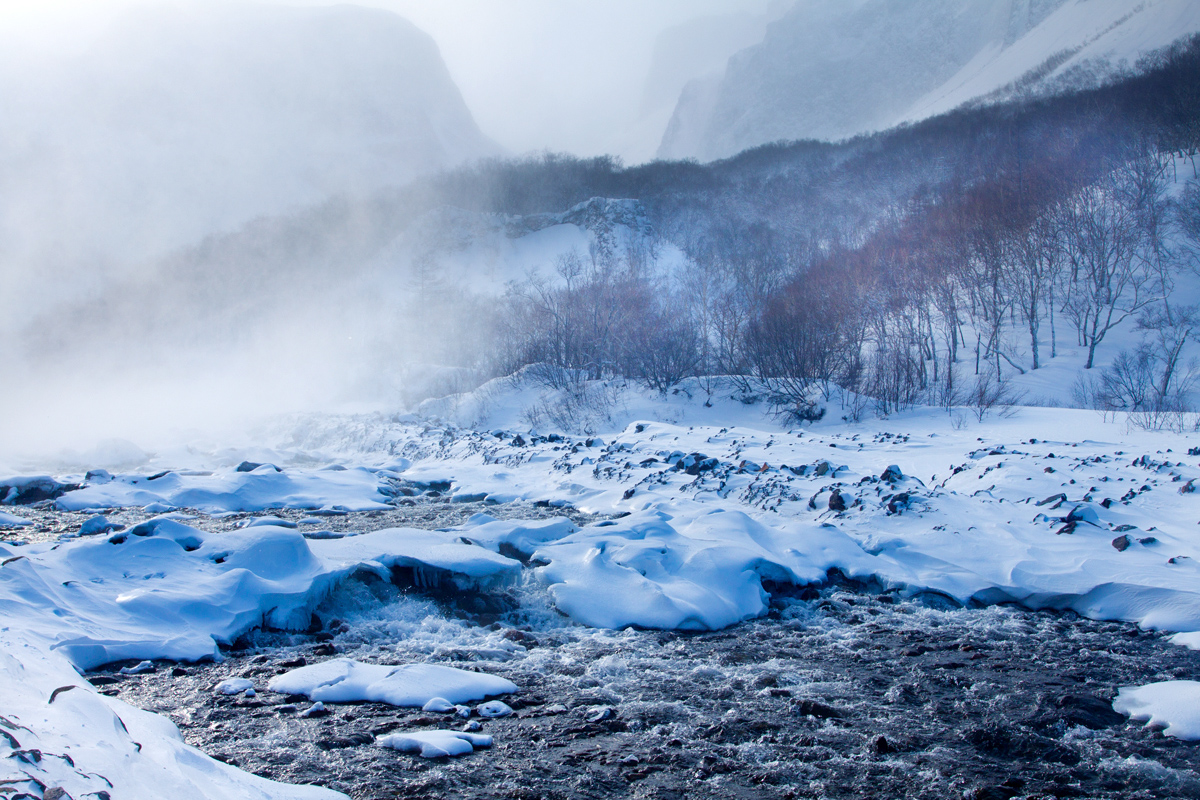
(187, 120)
(831, 70)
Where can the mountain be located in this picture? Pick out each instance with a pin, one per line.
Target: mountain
(185, 120)
(832, 69)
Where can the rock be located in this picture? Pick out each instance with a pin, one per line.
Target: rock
(880, 746)
(56, 793)
(1054, 498)
(250, 466)
(814, 708)
(823, 469)
(599, 713)
(1188, 487)
(1121, 543)
(892, 474)
(837, 501)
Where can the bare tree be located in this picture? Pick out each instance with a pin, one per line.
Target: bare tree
(1109, 278)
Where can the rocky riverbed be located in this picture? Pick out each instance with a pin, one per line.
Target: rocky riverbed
(841, 691)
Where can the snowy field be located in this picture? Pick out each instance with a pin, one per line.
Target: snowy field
(491, 524)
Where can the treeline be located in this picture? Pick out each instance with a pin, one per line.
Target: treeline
(977, 244)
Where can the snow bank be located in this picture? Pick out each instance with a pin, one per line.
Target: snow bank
(91, 744)
(707, 574)
(256, 490)
(1172, 705)
(164, 590)
(342, 680)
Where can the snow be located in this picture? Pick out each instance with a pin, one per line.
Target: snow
(1171, 705)
(11, 521)
(344, 680)
(435, 744)
(910, 61)
(90, 743)
(704, 510)
(256, 490)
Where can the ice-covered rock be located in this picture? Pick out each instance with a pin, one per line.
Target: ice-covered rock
(493, 709)
(235, 686)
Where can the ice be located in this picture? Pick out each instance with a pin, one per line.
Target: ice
(343, 680)
(435, 744)
(1172, 705)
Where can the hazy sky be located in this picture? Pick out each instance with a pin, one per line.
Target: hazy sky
(537, 74)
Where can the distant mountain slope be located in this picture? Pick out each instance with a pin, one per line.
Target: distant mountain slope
(187, 120)
(831, 70)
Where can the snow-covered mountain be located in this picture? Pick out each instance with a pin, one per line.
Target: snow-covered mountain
(830, 69)
(186, 120)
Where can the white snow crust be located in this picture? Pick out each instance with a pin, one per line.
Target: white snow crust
(1171, 705)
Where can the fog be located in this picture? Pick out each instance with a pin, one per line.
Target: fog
(137, 133)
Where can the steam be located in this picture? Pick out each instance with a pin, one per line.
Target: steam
(168, 172)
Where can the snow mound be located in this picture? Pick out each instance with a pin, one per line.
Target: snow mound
(257, 490)
(342, 680)
(1173, 705)
(435, 744)
(705, 575)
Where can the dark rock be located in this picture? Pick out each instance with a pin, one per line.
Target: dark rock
(880, 746)
(814, 708)
(837, 501)
(1121, 543)
(892, 474)
(250, 466)
(1054, 498)
(342, 742)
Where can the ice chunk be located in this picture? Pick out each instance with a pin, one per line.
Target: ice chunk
(436, 744)
(343, 680)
